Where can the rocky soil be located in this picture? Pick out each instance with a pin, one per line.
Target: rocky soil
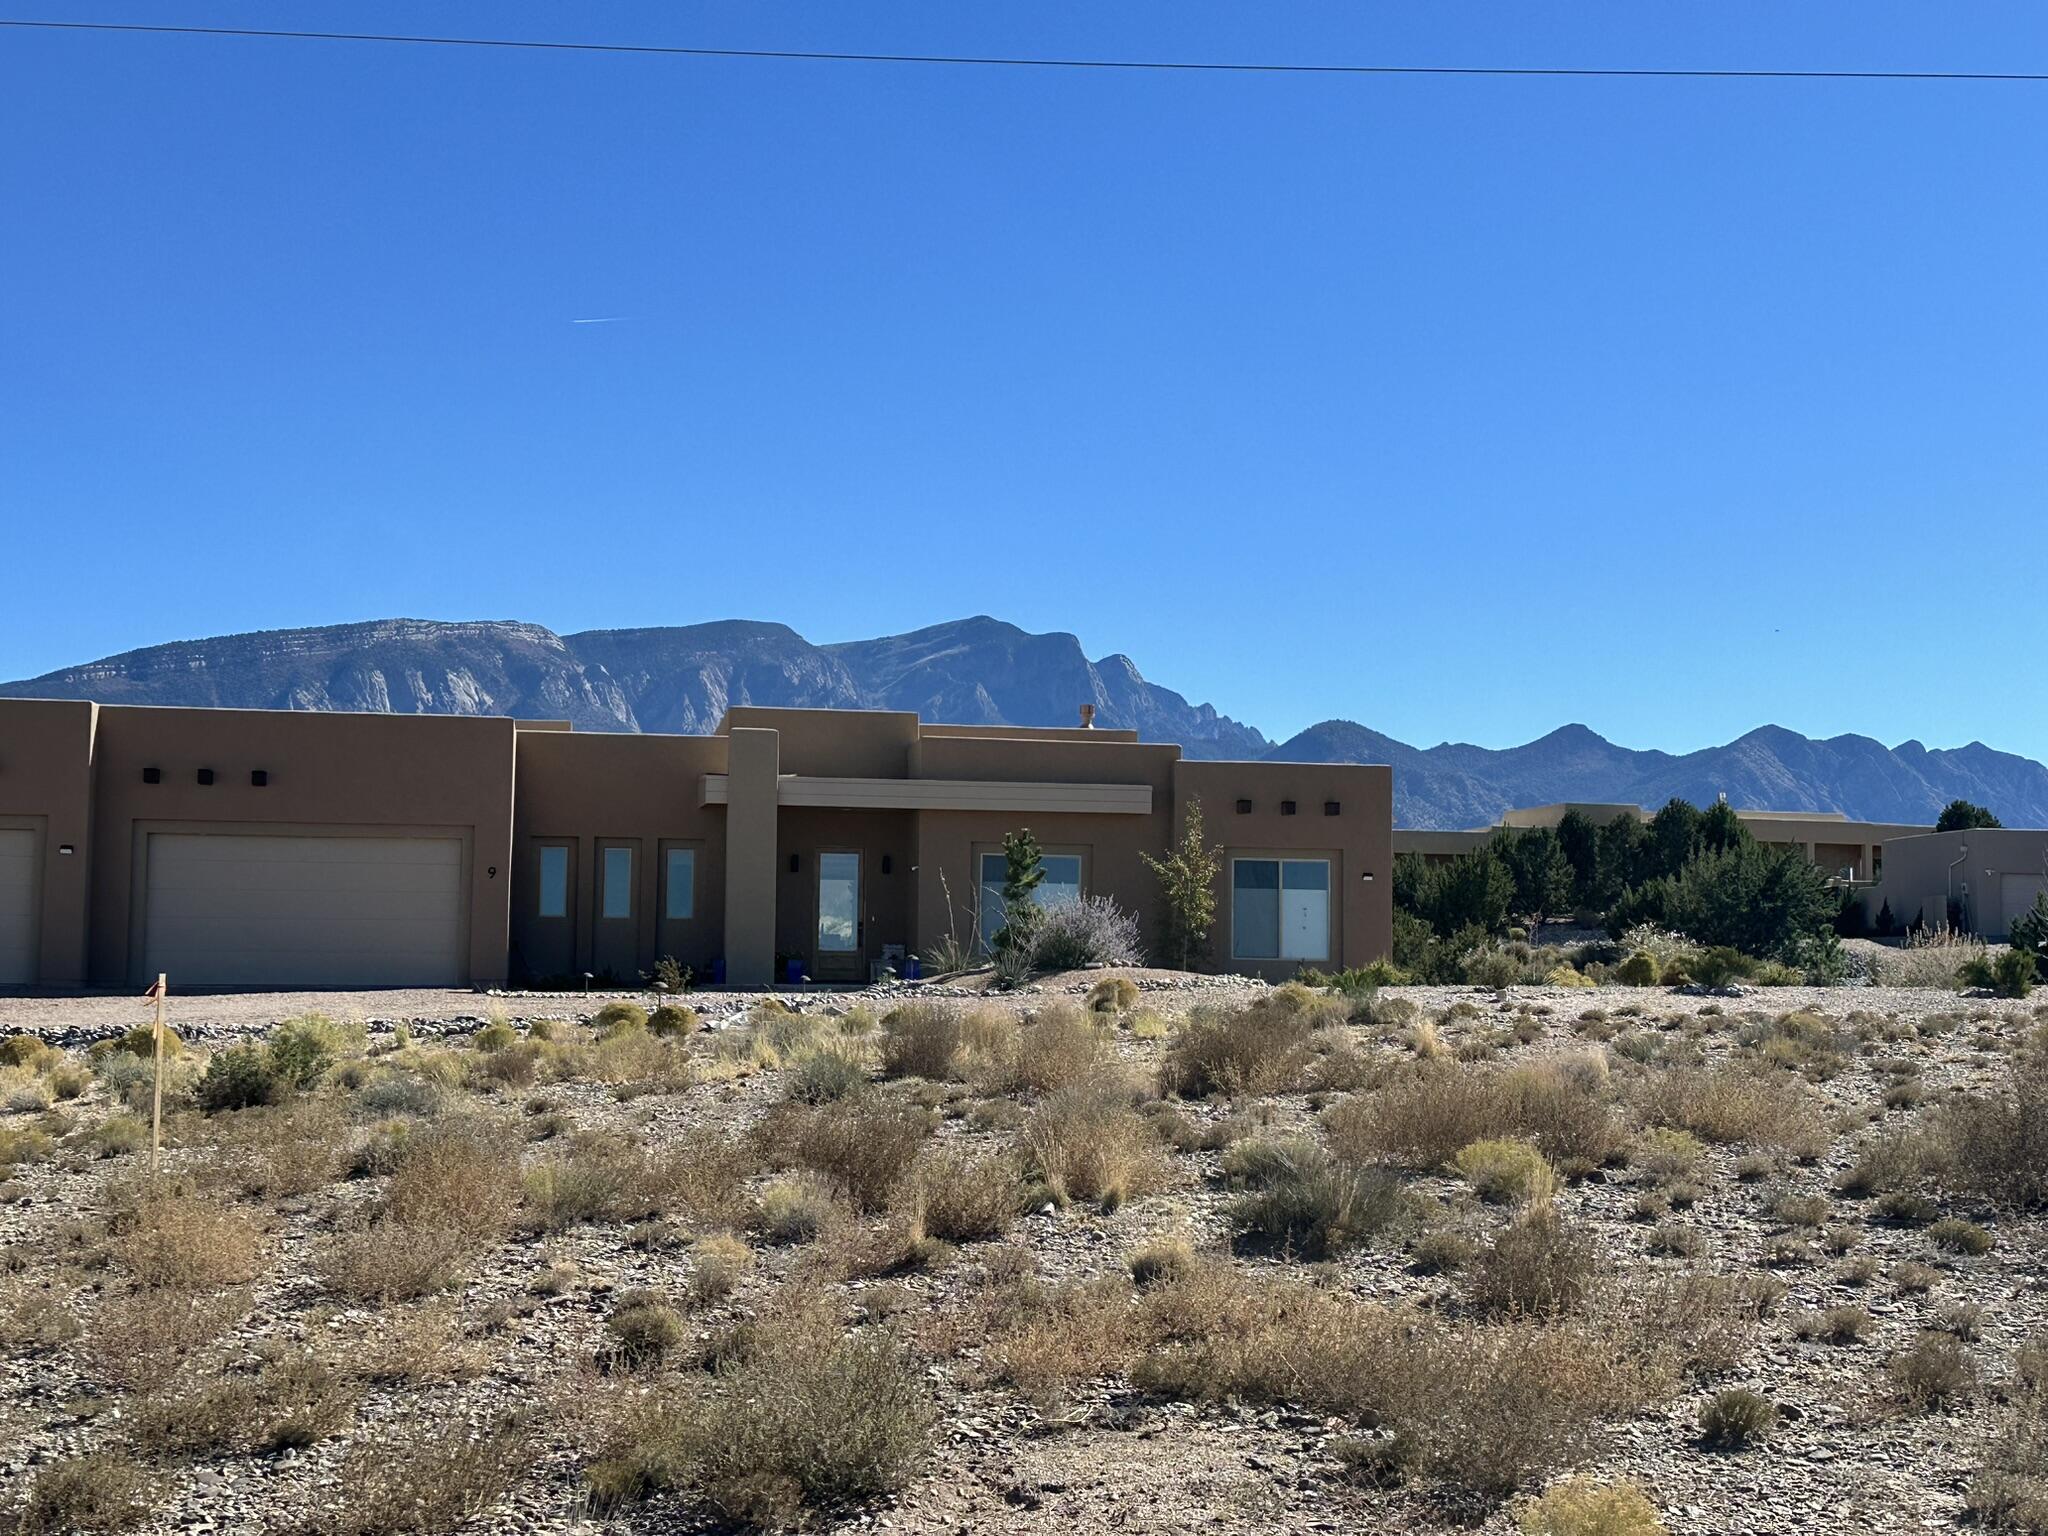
(1105, 1458)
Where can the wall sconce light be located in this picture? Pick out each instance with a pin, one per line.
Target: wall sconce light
(65, 848)
(152, 775)
(258, 777)
(1332, 808)
(1366, 877)
(887, 864)
(792, 863)
(206, 775)
(1244, 807)
(1286, 807)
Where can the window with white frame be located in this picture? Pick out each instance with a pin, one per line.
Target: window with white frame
(1280, 909)
(617, 898)
(679, 885)
(1062, 883)
(554, 881)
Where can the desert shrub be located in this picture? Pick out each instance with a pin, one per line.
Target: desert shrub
(1058, 1047)
(291, 1402)
(1256, 1050)
(799, 1415)
(862, 1146)
(1936, 1370)
(1639, 970)
(1736, 1418)
(1087, 1143)
(717, 1265)
(400, 1093)
(30, 1051)
(1113, 994)
(2011, 974)
(1996, 1145)
(671, 1019)
(826, 1074)
(2010, 1490)
(1835, 1325)
(180, 1242)
(1720, 967)
(1161, 1261)
(1421, 1118)
(940, 1042)
(1665, 1155)
(596, 1176)
(1727, 1103)
(493, 1037)
(1299, 1196)
(455, 1191)
(101, 1491)
(291, 1148)
(422, 1479)
(618, 1018)
(1952, 1234)
(1931, 957)
(1505, 1171)
(706, 1175)
(24, 1144)
(793, 1211)
(239, 1077)
(643, 1327)
(1442, 1253)
(118, 1134)
(1090, 930)
(960, 1198)
(1538, 1265)
(303, 1049)
(1586, 1506)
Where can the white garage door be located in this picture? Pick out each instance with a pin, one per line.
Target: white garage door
(17, 907)
(263, 911)
(2016, 895)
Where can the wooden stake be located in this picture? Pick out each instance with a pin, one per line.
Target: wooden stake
(156, 1108)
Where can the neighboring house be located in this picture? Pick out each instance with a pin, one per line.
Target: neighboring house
(1980, 878)
(1850, 851)
(269, 848)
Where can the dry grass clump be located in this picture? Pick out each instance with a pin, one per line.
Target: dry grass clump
(599, 1176)
(861, 1146)
(1423, 1116)
(1538, 1265)
(2010, 1490)
(422, 1479)
(1731, 1103)
(1301, 1198)
(707, 1176)
(643, 1327)
(1586, 1506)
(1113, 994)
(1163, 1259)
(456, 1191)
(182, 1242)
(1935, 1371)
(102, 1491)
(137, 1340)
(942, 1043)
(1059, 1046)
(287, 1403)
(717, 1265)
(960, 1198)
(1257, 1050)
(1996, 1145)
(1087, 1143)
(1736, 1418)
(799, 1414)
(291, 1148)
(1834, 1325)
(1504, 1172)
(793, 1211)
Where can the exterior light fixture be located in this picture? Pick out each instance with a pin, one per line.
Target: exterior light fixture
(206, 775)
(1366, 877)
(1286, 807)
(152, 775)
(258, 777)
(65, 848)
(793, 863)
(887, 864)
(1332, 808)
(1244, 807)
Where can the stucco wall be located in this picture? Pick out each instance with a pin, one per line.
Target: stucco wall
(335, 773)
(46, 786)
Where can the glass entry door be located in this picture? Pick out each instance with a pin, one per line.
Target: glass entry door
(839, 948)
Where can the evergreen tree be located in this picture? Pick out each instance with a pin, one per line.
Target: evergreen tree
(1580, 840)
(1961, 816)
(1023, 873)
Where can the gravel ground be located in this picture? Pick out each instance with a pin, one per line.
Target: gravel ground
(1109, 1459)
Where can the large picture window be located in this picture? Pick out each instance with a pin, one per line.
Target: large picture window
(1062, 883)
(1280, 909)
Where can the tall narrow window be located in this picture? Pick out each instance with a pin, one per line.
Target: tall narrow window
(679, 899)
(554, 880)
(1255, 909)
(618, 883)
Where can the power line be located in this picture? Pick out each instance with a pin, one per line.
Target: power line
(1006, 62)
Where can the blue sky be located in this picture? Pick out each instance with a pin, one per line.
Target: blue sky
(1459, 407)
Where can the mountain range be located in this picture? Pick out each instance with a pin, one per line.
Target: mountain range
(981, 671)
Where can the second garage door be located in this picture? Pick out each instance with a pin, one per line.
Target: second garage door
(264, 911)
(17, 906)
(2017, 893)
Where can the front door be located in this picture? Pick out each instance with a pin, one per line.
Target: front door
(839, 954)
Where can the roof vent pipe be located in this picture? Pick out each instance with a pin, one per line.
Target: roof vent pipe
(1087, 717)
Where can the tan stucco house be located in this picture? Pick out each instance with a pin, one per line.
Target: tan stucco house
(291, 848)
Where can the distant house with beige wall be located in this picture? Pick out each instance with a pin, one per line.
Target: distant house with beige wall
(295, 848)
